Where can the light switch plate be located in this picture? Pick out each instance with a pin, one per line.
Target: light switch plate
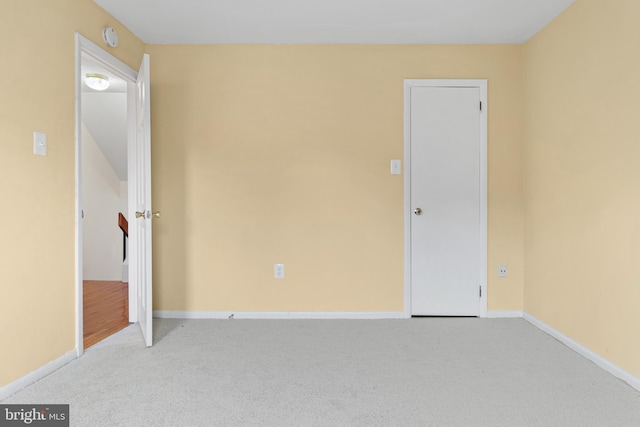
(396, 167)
(39, 144)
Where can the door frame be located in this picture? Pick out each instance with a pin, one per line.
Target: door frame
(85, 47)
(453, 83)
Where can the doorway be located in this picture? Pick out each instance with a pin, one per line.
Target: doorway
(136, 191)
(445, 198)
(104, 169)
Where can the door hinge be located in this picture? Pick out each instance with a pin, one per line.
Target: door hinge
(480, 105)
(480, 291)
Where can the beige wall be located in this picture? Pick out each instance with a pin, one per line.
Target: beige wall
(37, 319)
(280, 154)
(582, 241)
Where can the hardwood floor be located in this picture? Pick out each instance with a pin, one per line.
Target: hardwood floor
(106, 309)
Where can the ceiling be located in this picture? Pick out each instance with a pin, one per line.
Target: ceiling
(335, 21)
(105, 116)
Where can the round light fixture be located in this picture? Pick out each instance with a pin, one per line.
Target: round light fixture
(96, 81)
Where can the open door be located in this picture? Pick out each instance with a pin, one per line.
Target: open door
(139, 188)
(140, 233)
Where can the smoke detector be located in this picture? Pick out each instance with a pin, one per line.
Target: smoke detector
(110, 37)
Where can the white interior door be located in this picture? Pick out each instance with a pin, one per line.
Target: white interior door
(446, 271)
(141, 238)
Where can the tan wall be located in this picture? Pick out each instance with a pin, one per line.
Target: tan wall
(280, 154)
(582, 241)
(37, 307)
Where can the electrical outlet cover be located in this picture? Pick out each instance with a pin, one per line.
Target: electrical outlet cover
(278, 271)
(502, 270)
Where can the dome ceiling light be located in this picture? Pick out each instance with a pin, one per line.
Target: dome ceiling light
(96, 81)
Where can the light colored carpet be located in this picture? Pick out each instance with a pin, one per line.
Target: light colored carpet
(414, 372)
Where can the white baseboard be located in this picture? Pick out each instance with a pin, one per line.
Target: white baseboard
(279, 314)
(614, 370)
(505, 314)
(36, 375)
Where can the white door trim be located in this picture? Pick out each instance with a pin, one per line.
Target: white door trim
(482, 280)
(85, 47)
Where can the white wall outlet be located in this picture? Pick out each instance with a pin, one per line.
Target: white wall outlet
(502, 270)
(39, 144)
(278, 271)
(396, 167)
